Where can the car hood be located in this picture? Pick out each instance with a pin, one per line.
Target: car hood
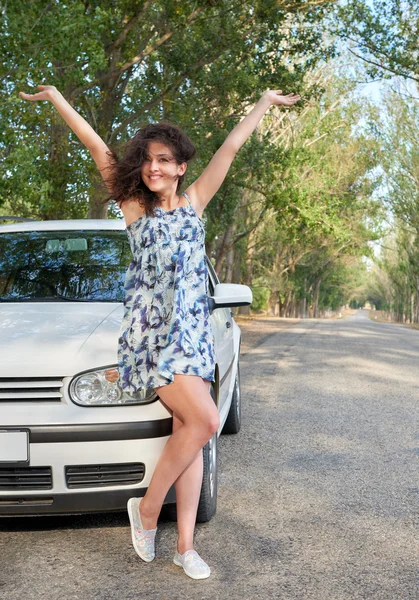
(57, 339)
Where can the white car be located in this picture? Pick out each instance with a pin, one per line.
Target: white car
(70, 440)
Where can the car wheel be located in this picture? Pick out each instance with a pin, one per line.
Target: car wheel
(208, 499)
(233, 421)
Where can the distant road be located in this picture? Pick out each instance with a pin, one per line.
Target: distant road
(318, 494)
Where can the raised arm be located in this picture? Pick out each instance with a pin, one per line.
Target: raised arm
(208, 183)
(86, 134)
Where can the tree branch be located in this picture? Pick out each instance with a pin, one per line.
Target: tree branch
(128, 26)
(385, 68)
(243, 234)
(307, 145)
(139, 57)
(172, 86)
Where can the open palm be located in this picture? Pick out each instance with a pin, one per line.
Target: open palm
(46, 93)
(276, 98)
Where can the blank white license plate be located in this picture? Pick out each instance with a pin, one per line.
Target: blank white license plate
(14, 446)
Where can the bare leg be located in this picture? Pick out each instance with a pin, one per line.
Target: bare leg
(189, 399)
(188, 489)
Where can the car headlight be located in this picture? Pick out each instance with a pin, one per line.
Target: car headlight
(102, 388)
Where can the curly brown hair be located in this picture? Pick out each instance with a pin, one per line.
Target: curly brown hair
(125, 181)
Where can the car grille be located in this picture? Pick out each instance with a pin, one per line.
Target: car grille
(25, 478)
(36, 389)
(83, 476)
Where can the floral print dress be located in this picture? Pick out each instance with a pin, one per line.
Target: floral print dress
(166, 326)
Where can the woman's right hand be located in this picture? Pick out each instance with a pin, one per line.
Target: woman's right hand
(47, 93)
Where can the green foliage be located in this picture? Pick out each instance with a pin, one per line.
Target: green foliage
(394, 283)
(299, 193)
(260, 296)
(127, 62)
(324, 214)
(384, 33)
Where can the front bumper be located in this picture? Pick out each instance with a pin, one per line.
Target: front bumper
(57, 447)
(71, 503)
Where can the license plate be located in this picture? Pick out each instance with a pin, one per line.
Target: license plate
(14, 446)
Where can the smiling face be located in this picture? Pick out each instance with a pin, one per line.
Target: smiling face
(160, 171)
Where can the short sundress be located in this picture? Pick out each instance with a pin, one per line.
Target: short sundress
(166, 326)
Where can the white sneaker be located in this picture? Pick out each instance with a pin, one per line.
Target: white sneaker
(192, 564)
(142, 539)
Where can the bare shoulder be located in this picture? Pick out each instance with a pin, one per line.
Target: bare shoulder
(132, 210)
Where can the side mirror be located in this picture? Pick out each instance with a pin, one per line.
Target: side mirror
(230, 294)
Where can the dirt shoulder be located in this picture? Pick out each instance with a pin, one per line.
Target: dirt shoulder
(381, 317)
(255, 329)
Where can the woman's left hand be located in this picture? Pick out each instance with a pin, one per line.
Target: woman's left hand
(276, 98)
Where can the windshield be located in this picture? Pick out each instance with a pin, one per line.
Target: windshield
(42, 266)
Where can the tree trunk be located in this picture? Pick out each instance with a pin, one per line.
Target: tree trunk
(316, 294)
(304, 307)
(223, 247)
(98, 209)
(287, 303)
(58, 171)
(273, 302)
(237, 266)
(230, 265)
(245, 310)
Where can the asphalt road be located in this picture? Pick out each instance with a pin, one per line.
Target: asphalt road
(318, 494)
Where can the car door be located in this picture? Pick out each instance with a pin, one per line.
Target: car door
(222, 325)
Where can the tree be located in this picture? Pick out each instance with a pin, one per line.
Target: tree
(395, 283)
(319, 213)
(384, 34)
(123, 63)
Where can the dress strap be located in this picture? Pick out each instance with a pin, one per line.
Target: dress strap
(187, 198)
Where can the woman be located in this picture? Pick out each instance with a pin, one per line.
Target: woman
(166, 341)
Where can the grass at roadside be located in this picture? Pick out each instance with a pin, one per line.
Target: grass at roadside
(381, 317)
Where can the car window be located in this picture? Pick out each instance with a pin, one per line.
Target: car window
(63, 265)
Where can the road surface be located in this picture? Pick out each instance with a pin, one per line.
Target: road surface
(318, 493)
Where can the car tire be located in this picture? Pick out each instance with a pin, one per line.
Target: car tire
(207, 506)
(233, 421)
(208, 499)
